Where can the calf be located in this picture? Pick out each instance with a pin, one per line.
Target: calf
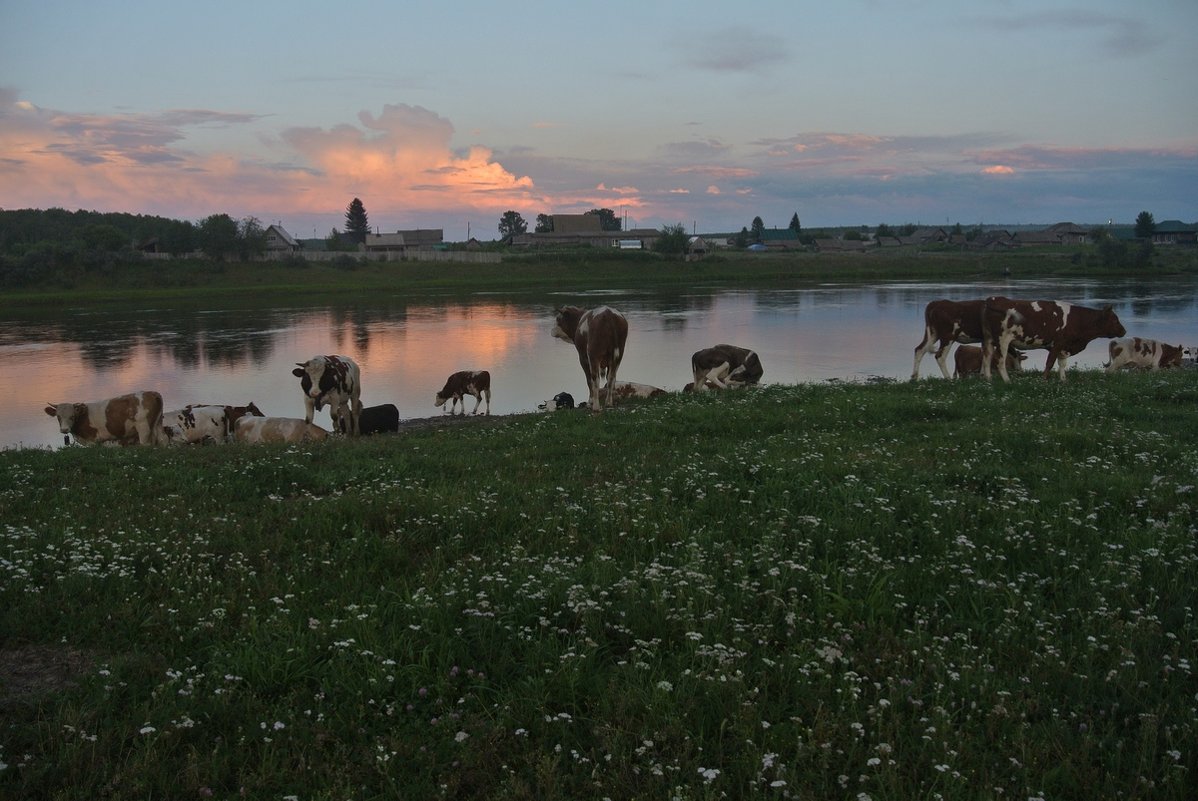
(332, 380)
(946, 322)
(376, 419)
(725, 366)
(562, 400)
(462, 383)
(1137, 352)
(134, 419)
(599, 336)
(1062, 329)
(258, 430)
(967, 360)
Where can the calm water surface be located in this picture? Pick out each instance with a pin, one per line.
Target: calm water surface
(407, 348)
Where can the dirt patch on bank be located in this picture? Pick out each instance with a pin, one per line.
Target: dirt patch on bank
(28, 672)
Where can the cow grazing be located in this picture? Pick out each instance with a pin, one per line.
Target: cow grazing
(562, 400)
(725, 366)
(381, 419)
(258, 430)
(624, 390)
(463, 383)
(599, 336)
(1146, 353)
(1063, 329)
(133, 419)
(946, 322)
(967, 360)
(335, 381)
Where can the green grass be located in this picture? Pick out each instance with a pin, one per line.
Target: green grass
(156, 281)
(942, 589)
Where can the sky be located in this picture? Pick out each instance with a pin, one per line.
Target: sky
(447, 114)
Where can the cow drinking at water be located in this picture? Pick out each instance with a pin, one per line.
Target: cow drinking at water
(463, 383)
(598, 335)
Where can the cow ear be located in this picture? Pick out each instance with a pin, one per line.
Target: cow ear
(298, 372)
(50, 410)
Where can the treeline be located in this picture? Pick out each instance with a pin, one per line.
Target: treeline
(39, 245)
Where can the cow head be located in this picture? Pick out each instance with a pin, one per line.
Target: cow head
(439, 399)
(566, 323)
(1171, 355)
(253, 411)
(1109, 323)
(311, 374)
(66, 414)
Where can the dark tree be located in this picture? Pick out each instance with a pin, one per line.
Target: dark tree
(511, 224)
(251, 238)
(357, 225)
(217, 236)
(1145, 225)
(758, 229)
(672, 241)
(794, 224)
(608, 220)
(883, 230)
(742, 239)
(544, 224)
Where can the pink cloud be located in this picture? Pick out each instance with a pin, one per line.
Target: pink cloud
(401, 158)
(998, 169)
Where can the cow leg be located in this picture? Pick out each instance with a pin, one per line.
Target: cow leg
(942, 358)
(1061, 357)
(309, 408)
(478, 398)
(1004, 344)
(922, 349)
(487, 393)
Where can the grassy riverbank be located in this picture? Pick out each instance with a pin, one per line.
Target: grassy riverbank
(942, 589)
(158, 281)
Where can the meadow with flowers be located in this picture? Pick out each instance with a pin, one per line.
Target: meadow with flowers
(934, 590)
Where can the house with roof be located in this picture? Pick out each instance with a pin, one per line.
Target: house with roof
(385, 244)
(1175, 232)
(1071, 234)
(279, 241)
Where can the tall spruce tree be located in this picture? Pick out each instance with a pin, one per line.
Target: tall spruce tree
(356, 223)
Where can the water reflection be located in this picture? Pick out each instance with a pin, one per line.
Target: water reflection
(407, 347)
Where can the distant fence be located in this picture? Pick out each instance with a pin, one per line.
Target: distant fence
(463, 256)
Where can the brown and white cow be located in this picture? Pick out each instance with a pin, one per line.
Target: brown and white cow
(1063, 329)
(195, 423)
(1146, 353)
(967, 360)
(335, 381)
(946, 322)
(198, 422)
(599, 336)
(463, 383)
(625, 390)
(725, 366)
(133, 419)
(258, 430)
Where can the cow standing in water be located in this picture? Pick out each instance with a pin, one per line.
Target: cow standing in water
(1062, 329)
(332, 380)
(598, 335)
(463, 383)
(946, 322)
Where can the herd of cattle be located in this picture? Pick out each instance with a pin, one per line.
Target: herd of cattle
(1003, 327)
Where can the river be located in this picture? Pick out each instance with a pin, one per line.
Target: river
(407, 347)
